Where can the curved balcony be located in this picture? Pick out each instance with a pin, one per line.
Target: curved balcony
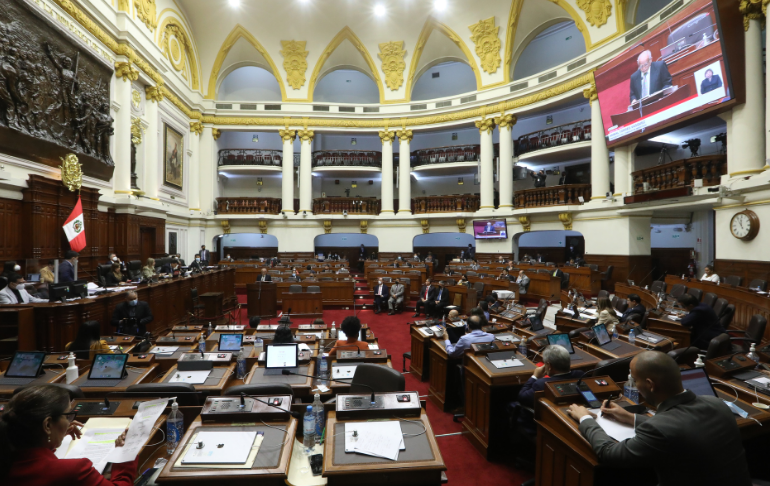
(445, 155)
(351, 205)
(562, 135)
(681, 173)
(269, 158)
(248, 205)
(540, 197)
(456, 203)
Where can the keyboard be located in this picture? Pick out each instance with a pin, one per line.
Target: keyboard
(279, 371)
(16, 381)
(95, 383)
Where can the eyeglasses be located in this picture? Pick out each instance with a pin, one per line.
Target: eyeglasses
(70, 416)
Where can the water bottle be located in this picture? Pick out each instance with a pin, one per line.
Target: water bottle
(523, 346)
(630, 391)
(210, 331)
(72, 371)
(258, 346)
(753, 353)
(615, 332)
(308, 430)
(318, 413)
(202, 344)
(631, 337)
(241, 364)
(333, 331)
(174, 428)
(323, 370)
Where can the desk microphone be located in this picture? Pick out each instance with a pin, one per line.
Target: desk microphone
(147, 394)
(296, 415)
(287, 372)
(592, 373)
(642, 280)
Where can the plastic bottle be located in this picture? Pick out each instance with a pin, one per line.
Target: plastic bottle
(699, 362)
(333, 331)
(615, 333)
(241, 364)
(210, 331)
(523, 346)
(630, 391)
(308, 430)
(202, 344)
(631, 337)
(752, 353)
(318, 413)
(258, 346)
(72, 369)
(174, 428)
(323, 369)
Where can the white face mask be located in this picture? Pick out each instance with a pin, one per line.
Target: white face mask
(197, 259)
(16, 268)
(114, 259)
(228, 257)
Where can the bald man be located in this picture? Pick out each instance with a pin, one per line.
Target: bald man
(132, 315)
(453, 315)
(649, 78)
(690, 440)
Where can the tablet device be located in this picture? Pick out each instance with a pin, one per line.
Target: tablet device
(561, 339)
(603, 337)
(108, 367)
(25, 364)
(697, 381)
(230, 342)
(279, 357)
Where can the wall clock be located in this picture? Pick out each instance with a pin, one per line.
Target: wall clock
(745, 225)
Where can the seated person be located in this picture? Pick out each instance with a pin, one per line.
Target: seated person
(343, 270)
(685, 441)
(634, 307)
(448, 270)
(484, 306)
(264, 276)
(35, 422)
(606, 314)
(504, 275)
(463, 280)
(132, 316)
(115, 277)
(475, 265)
(351, 326)
(453, 316)
(475, 323)
(46, 273)
(87, 342)
(556, 366)
(174, 268)
(148, 271)
(709, 275)
(396, 296)
(425, 299)
(283, 335)
(441, 300)
(701, 320)
(14, 293)
(295, 275)
(196, 266)
(381, 295)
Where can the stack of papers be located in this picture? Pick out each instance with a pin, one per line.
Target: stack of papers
(425, 331)
(378, 439)
(508, 338)
(220, 447)
(164, 350)
(374, 346)
(97, 441)
(192, 377)
(506, 363)
(616, 430)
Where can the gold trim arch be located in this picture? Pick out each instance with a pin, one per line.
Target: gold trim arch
(195, 72)
(530, 37)
(238, 32)
(345, 33)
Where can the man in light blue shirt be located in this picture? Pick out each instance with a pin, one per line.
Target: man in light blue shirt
(475, 323)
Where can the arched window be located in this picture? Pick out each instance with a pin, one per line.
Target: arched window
(346, 86)
(551, 47)
(444, 79)
(249, 83)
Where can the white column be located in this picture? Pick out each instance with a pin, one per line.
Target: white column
(621, 171)
(404, 172)
(121, 176)
(600, 155)
(505, 124)
(208, 172)
(194, 181)
(152, 158)
(386, 203)
(748, 142)
(486, 169)
(287, 174)
(305, 171)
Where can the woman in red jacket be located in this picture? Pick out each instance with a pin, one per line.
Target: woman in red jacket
(32, 428)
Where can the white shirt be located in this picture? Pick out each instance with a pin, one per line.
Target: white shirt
(713, 278)
(8, 297)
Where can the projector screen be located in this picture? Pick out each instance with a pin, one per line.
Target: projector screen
(676, 70)
(490, 229)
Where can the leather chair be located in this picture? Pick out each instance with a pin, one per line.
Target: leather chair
(758, 283)
(727, 317)
(479, 286)
(658, 286)
(254, 321)
(594, 267)
(469, 273)
(719, 346)
(380, 378)
(754, 333)
(685, 356)
(614, 301)
(387, 279)
(295, 289)
(564, 280)
(102, 271)
(603, 294)
(697, 293)
(710, 298)
(185, 393)
(607, 274)
(196, 307)
(677, 290)
(73, 390)
(134, 269)
(617, 368)
(260, 390)
(622, 305)
(720, 306)
(733, 280)
(313, 289)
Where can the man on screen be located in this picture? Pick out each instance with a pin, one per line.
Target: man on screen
(650, 78)
(710, 82)
(488, 228)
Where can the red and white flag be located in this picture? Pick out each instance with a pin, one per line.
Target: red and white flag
(75, 228)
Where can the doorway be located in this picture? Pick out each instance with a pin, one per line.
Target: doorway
(148, 243)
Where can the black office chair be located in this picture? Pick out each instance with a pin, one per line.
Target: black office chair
(658, 286)
(101, 272)
(593, 267)
(677, 290)
(197, 308)
(614, 301)
(380, 378)
(710, 298)
(469, 273)
(685, 356)
(603, 294)
(254, 322)
(479, 287)
(733, 280)
(295, 288)
(758, 283)
(754, 333)
(617, 368)
(719, 346)
(564, 280)
(622, 305)
(607, 274)
(719, 307)
(697, 293)
(134, 269)
(185, 393)
(73, 390)
(727, 317)
(260, 390)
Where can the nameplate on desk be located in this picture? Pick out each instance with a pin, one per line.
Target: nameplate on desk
(266, 327)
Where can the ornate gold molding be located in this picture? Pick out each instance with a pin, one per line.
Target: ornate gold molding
(136, 131)
(525, 223)
(461, 225)
(327, 226)
(590, 93)
(71, 174)
(364, 225)
(305, 135)
(506, 121)
(387, 136)
(225, 226)
(196, 127)
(175, 43)
(486, 125)
(566, 220)
(263, 226)
(425, 223)
(287, 135)
(145, 10)
(126, 71)
(393, 65)
(153, 93)
(597, 11)
(484, 35)
(752, 10)
(294, 62)
(216, 133)
(405, 135)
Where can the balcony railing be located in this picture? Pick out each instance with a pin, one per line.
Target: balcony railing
(445, 155)
(553, 137)
(552, 196)
(465, 203)
(271, 158)
(353, 205)
(248, 205)
(681, 173)
(347, 158)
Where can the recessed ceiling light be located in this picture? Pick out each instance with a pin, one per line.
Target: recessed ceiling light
(439, 4)
(234, 3)
(379, 10)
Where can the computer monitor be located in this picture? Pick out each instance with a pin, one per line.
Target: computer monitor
(697, 381)
(33, 277)
(602, 336)
(78, 288)
(25, 364)
(562, 340)
(278, 356)
(58, 292)
(536, 324)
(230, 342)
(108, 367)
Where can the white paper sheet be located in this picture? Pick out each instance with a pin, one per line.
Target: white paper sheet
(96, 445)
(228, 447)
(374, 346)
(379, 439)
(164, 350)
(616, 430)
(61, 452)
(507, 363)
(343, 372)
(139, 431)
(192, 377)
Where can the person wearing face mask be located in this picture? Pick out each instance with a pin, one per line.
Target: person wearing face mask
(132, 315)
(228, 259)
(67, 267)
(691, 439)
(295, 275)
(381, 295)
(10, 268)
(114, 259)
(204, 255)
(196, 266)
(14, 293)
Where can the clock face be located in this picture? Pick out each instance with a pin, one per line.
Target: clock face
(740, 226)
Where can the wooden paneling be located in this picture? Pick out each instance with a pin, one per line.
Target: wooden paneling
(746, 269)
(634, 267)
(10, 235)
(554, 254)
(245, 253)
(669, 261)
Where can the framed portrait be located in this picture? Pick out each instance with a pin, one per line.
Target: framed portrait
(173, 157)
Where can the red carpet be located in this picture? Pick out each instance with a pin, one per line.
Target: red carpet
(464, 463)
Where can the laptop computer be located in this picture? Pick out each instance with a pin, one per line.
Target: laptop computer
(279, 357)
(537, 326)
(697, 381)
(603, 338)
(33, 277)
(106, 370)
(230, 342)
(561, 339)
(25, 367)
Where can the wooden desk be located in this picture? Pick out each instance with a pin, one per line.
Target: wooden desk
(302, 304)
(338, 387)
(442, 390)
(420, 362)
(135, 377)
(301, 385)
(260, 299)
(18, 323)
(468, 297)
(332, 293)
(167, 361)
(212, 304)
(48, 376)
(583, 279)
(419, 464)
(220, 379)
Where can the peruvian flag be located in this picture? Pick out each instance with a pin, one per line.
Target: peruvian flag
(75, 229)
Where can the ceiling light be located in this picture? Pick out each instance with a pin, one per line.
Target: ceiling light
(379, 10)
(439, 4)
(234, 3)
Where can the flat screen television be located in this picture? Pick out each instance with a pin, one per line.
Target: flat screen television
(490, 229)
(677, 70)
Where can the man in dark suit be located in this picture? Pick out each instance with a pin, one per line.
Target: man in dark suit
(196, 266)
(132, 316)
(67, 267)
(470, 252)
(557, 273)
(634, 307)
(424, 298)
(539, 178)
(264, 277)
(651, 77)
(440, 301)
(295, 275)
(701, 320)
(710, 82)
(205, 255)
(381, 295)
(690, 440)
